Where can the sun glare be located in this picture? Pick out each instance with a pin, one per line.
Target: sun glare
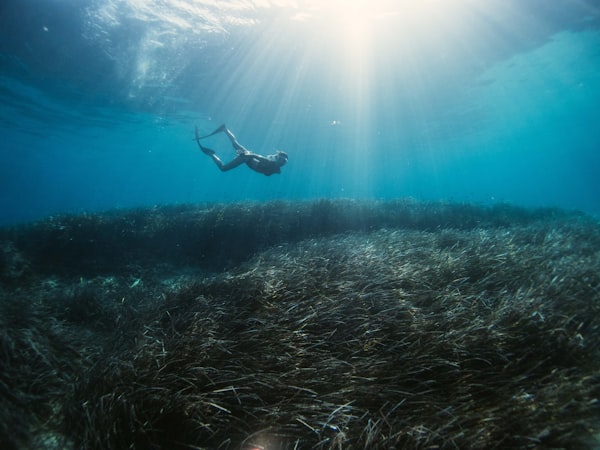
(366, 49)
(351, 19)
(363, 30)
(349, 36)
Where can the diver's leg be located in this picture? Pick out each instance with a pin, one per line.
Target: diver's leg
(238, 160)
(241, 158)
(239, 147)
(223, 167)
(218, 162)
(216, 159)
(236, 145)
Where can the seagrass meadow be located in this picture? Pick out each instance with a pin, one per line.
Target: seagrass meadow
(332, 324)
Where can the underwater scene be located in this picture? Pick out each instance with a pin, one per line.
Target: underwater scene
(299, 224)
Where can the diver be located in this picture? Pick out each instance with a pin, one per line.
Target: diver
(267, 165)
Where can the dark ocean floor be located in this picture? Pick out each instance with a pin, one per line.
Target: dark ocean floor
(326, 324)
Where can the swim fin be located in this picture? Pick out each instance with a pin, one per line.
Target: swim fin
(205, 150)
(218, 130)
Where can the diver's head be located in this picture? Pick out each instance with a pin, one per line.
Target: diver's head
(281, 157)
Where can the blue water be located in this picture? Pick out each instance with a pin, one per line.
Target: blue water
(461, 100)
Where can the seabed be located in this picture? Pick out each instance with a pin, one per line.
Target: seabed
(332, 324)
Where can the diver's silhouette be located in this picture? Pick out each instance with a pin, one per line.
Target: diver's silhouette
(267, 165)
